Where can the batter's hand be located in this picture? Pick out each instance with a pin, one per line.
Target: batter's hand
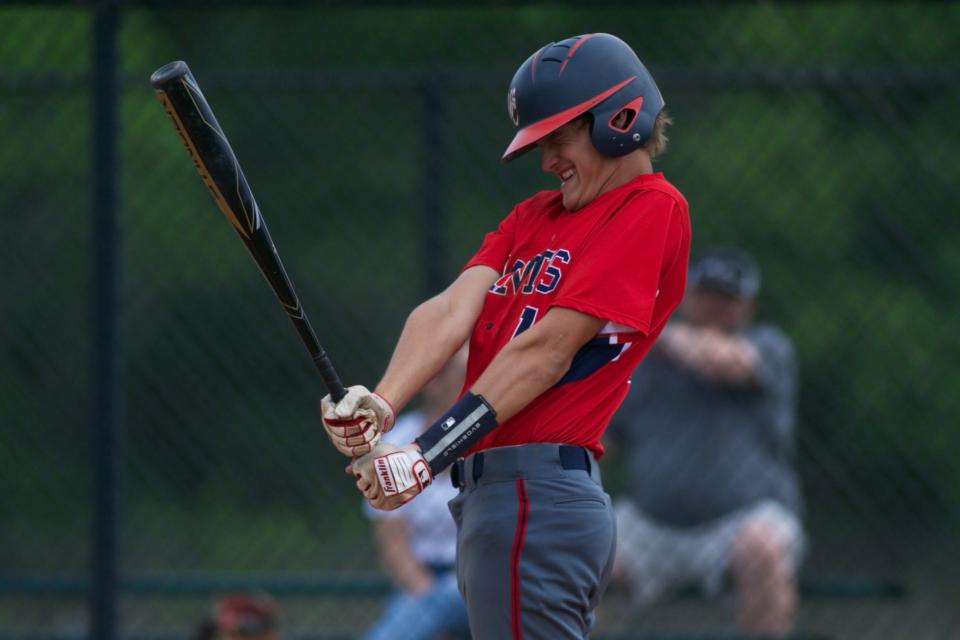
(390, 476)
(356, 423)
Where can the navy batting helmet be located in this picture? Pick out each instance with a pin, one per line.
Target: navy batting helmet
(595, 73)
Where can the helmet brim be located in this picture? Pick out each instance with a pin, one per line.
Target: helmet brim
(528, 135)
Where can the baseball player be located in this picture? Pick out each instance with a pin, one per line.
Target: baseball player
(717, 394)
(559, 304)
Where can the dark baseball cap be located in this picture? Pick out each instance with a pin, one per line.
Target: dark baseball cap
(725, 269)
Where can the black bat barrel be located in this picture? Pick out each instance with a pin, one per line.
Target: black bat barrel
(217, 164)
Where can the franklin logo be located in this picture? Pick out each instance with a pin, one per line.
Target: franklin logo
(512, 106)
(386, 478)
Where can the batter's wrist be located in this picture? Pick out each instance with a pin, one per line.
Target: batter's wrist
(455, 431)
(386, 398)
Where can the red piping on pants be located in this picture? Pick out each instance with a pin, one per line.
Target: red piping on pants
(523, 509)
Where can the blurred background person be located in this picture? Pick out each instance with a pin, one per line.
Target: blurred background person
(707, 433)
(241, 617)
(417, 542)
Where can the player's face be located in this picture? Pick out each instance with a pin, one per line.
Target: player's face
(712, 309)
(584, 173)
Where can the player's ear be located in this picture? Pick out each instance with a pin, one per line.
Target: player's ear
(624, 119)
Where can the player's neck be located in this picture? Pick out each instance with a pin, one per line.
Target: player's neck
(627, 168)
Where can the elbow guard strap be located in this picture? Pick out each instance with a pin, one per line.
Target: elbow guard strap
(456, 430)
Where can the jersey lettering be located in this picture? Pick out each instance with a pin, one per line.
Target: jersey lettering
(551, 278)
(540, 274)
(510, 279)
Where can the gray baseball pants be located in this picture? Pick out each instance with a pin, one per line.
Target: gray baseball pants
(536, 536)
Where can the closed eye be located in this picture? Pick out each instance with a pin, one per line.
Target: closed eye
(556, 139)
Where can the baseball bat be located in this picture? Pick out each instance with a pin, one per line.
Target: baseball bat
(218, 167)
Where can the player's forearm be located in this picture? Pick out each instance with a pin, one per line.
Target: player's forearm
(431, 335)
(517, 375)
(527, 366)
(522, 371)
(406, 572)
(724, 358)
(534, 361)
(398, 562)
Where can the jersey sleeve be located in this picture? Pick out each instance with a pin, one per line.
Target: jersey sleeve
(618, 269)
(497, 245)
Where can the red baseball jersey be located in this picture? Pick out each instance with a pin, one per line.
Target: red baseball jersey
(623, 258)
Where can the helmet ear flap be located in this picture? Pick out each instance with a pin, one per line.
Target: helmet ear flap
(623, 119)
(618, 131)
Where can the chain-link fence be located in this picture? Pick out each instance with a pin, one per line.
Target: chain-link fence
(160, 439)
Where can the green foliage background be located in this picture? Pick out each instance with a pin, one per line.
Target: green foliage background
(820, 136)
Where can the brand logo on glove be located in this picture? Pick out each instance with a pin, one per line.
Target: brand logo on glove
(449, 423)
(423, 473)
(383, 473)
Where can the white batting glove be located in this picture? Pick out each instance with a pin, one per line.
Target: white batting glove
(390, 476)
(356, 423)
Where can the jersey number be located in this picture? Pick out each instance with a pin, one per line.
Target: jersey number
(527, 318)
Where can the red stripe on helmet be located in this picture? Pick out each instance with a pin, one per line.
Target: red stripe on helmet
(533, 132)
(533, 65)
(573, 50)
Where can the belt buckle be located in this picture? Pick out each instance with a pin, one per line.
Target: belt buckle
(457, 476)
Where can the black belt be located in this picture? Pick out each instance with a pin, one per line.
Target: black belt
(439, 569)
(571, 457)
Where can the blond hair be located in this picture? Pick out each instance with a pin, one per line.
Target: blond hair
(656, 144)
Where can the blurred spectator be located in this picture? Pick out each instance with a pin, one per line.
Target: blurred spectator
(241, 617)
(417, 542)
(708, 430)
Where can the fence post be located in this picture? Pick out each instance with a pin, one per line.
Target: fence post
(106, 393)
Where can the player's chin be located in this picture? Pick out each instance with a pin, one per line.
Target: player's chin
(571, 198)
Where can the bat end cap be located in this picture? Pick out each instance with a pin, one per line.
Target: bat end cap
(168, 73)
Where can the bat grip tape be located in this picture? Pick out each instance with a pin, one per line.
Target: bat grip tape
(455, 431)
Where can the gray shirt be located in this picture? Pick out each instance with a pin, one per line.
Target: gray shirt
(697, 449)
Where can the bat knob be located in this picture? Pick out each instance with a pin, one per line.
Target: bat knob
(168, 73)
